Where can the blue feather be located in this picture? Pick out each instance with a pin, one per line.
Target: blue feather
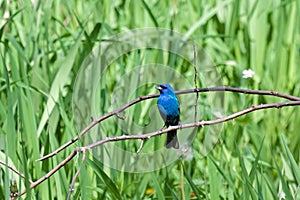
(168, 106)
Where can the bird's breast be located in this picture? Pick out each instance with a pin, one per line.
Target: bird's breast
(168, 105)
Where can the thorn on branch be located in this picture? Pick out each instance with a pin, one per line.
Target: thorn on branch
(274, 93)
(202, 123)
(120, 116)
(159, 132)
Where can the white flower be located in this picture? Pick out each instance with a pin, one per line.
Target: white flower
(248, 73)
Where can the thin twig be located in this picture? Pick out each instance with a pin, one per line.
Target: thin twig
(195, 84)
(142, 98)
(14, 170)
(239, 90)
(73, 183)
(76, 174)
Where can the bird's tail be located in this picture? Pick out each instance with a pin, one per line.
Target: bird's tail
(172, 140)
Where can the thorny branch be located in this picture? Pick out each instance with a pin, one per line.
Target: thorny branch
(142, 98)
(294, 102)
(156, 133)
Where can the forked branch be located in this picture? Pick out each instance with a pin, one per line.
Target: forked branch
(295, 101)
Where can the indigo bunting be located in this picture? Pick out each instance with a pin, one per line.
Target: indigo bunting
(168, 107)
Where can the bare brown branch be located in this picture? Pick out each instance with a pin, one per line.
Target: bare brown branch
(142, 98)
(159, 132)
(239, 90)
(75, 176)
(191, 125)
(55, 169)
(95, 122)
(14, 170)
(73, 183)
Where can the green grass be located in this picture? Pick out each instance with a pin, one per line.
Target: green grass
(44, 45)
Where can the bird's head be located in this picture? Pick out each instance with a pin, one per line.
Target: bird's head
(165, 88)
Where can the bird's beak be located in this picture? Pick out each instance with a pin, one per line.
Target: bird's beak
(158, 87)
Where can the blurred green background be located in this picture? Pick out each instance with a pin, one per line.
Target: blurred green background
(43, 44)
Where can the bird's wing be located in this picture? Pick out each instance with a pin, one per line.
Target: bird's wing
(162, 111)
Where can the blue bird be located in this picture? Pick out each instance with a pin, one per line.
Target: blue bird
(168, 107)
